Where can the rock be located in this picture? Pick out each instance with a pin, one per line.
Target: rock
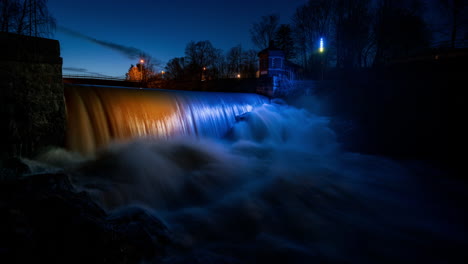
(44, 220)
(142, 233)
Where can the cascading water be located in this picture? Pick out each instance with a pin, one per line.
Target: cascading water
(100, 115)
(275, 189)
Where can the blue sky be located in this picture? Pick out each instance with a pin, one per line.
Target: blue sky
(159, 28)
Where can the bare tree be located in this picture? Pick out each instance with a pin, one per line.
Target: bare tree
(311, 22)
(27, 17)
(176, 69)
(284, 40)
(234, 61)
(352, 30)
(263, 33)
(455, 13)
(201, 57)
(249, 64)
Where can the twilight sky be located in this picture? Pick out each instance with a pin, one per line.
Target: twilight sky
(161, 28)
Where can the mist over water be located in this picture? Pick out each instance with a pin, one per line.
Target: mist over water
(272, 187)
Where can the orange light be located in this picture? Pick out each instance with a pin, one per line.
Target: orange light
(142, 61)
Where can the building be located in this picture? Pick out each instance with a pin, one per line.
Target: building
(272, 63)
(276, 74)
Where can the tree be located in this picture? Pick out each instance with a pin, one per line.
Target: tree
(234, 61)
(399, 29)
(284, 40)
(27, 17)
(176, 69)
(311, 22)
(249, 64)
(144, 71)
(352, 30)
(263, 33)
(201, 57)
(455, 13)
(134, 73)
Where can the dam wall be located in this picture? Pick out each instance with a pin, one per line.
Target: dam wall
(32, 107)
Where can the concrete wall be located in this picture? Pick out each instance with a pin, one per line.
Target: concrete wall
(32, 108)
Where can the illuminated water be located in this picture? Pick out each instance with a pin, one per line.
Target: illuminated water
(100, 115)
(274, 187)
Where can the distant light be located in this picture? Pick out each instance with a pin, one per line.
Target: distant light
(238, 75)
(204, 68)
(321, 45)
(162, 72)
(142, 61)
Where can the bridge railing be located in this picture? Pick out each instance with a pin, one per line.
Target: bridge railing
(96, 77)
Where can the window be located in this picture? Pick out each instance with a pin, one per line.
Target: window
(277, 63)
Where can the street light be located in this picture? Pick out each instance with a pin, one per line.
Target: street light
(142, 73)
(321, 49)
(321, 45)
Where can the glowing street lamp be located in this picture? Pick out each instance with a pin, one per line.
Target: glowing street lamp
(238, 76)
(141, 64)
(321, 50)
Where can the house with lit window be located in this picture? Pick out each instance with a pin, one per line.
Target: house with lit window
(272, 62)
(276, 70)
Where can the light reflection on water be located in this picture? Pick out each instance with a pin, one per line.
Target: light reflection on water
(98, 115)
(276, 189)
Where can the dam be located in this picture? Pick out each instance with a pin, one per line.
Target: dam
(99, 115)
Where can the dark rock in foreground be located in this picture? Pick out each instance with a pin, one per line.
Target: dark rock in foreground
(43, 220)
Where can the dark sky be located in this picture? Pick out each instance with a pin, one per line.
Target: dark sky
(161, 28)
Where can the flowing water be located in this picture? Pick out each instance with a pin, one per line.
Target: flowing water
(100, 115)
(239, 179)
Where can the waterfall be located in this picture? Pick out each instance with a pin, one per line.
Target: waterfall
(100, 115)
(273, 187)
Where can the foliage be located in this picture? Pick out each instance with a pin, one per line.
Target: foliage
(134, 74)
(144, 71)
(26, 17)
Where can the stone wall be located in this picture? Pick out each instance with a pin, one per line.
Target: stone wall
(32, 108)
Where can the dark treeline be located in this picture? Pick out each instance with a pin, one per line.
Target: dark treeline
(365, 33)
(357, 34)
(202, 61)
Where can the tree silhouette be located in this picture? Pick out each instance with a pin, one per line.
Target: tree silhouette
(399, 30)
(456, 14)
(263, 33)
(27, 17)
(284, 40)
(201, 57)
